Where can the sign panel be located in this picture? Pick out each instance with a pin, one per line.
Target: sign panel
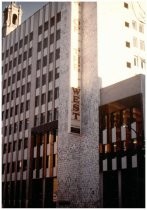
(75, 71)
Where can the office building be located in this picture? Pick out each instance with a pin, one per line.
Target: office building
(71, 131)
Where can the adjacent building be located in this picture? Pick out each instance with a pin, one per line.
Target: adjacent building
(73, 97)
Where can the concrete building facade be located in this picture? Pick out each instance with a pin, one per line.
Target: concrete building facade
(57, 148)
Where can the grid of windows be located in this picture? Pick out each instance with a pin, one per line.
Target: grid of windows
(23, 86)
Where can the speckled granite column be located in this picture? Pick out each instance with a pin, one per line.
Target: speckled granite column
(78, 160)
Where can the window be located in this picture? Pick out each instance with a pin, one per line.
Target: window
(3, 99)
(47, 162)
(15, 127)
(39, 30)
(50, 95)
(11, 112)
(3, 115)
(13, 78)
(18, 165)
(19, 144)
(28, 87)
(4, 83)
(23, 72)
(128, 44)
(57, 73)
(141, 28)
(21, 107)
(2, 56)
(8, 97)
(39, 46)
(9, 146)
(58, 17)
(6, 68)
(49, 116)
(18, 75)
(9, 81)
(10, 130)
(45, 60)
(45, 25)
(19, 59)
(40, 163)
(26, 123)
(51, 38)
(37, 82)
(15, 46)
(20, 125)
(10, 65)
(13, 167)
(42, 120)
(5, 131)
(57, 35)
(142, 63)
(34, 163)
(20, 43)
(4, 148)
(45, 43)
(36, 101)
(17, 92)
(27, 105)
(14, 145)
(16, 109)
(56, 92)
(50, 76)
(52, 22)
(7, 113)
(51, 57)
(8, 168)
(126, 5)
(43, 79)
(14, 62)
(43, 98)
(57, 53)
(11, 50)
(31, 36)
(14, 19)
(134, 24)
(29, 69)
(38, 64)
(25, 143)
(126, 24)
(135, 61)
(135, 42)
(25, 40)
(54, 160)
(56, 114)
(7, 52)
(12, 94)
(3, 168)
(30, 52)
(25, 55)
(128, 64)
(35, 120)
(142, 45)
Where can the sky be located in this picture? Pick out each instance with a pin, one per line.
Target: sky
(29, 8)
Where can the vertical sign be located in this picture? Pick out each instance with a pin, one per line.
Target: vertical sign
(75, 71)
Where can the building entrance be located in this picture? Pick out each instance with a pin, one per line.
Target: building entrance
(42, 193)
